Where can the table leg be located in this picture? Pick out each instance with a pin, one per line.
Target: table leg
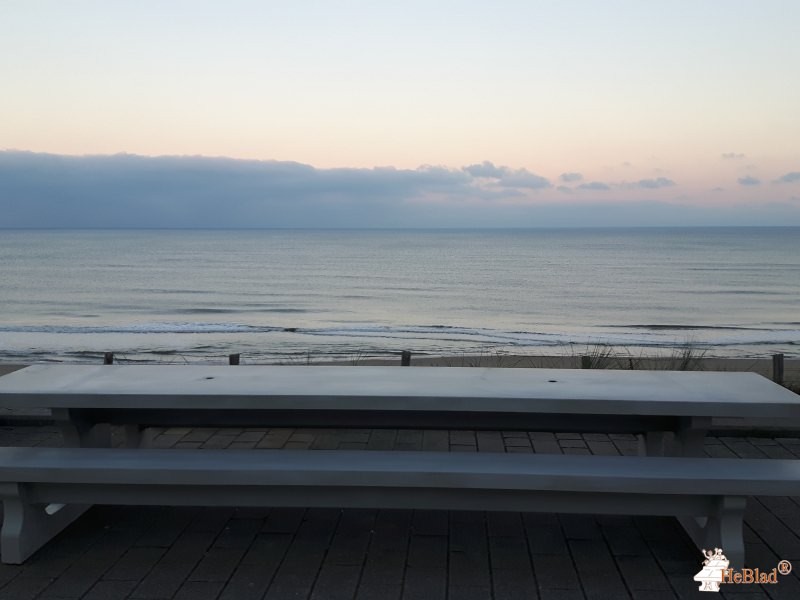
(652, 443)
(138, 437)
(690, 435)
(79, 433)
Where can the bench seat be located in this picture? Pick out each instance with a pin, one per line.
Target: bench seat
(44, 489)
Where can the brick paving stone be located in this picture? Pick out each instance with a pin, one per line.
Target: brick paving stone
(544, 533)
(466, 437)
(238, 533)
(425, 584)
(336, 582)
(602, 448)
(219, 441)
(378, 591)
(351, 538)
(490, 441)
(569, 436)
(512, 442)
(597, 570)
(642, 573)
(211, 519)
(460, 592)
(305, 555)
(386, 556)
(509, 554)
(166, 526)
(519, 450)
(427, 551)
(165, 441)
(580, 527)
(504, 524)
(250, 436)
(597, 437)
(409, 439)
(513, 585)
(189, 445)
(782, 540)
(430, 522)
(463, 448)
(257, 568)
(627, 447)
(283, 520)
(326, 441)
(217, 565)
(110, 590)
(570, 443)
(468, 550)
(786, 510)
(199, 590)
(175, 565)
(134, 564)
(583, 451)
(622, 536)
(242, 445)
(743, 448)
(653, 595)
(178, 430)
(555, 571)
(24, 588)
(275, 438)
(550, 594)
(435, 440)
(382, 439)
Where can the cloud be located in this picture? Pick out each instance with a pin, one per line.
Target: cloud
(652, 184)
(485, 169)
(508, 178)
(732, 156)
(789, 177)
(128, 191)
(749, 181)
(598, 186)
(570, 177)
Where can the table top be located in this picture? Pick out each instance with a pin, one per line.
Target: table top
(444, 389)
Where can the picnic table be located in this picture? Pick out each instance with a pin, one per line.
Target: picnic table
(86, 400)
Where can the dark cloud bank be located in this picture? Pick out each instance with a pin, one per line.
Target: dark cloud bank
(45, 190)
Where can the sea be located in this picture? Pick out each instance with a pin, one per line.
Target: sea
(297, 296)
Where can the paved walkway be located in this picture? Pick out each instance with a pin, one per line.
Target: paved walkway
(241, 554)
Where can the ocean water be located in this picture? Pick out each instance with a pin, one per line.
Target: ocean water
(290, 296)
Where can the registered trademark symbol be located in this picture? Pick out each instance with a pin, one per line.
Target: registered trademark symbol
(784, 567)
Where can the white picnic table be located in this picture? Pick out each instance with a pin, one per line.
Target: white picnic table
(44, 489)
(645, 402)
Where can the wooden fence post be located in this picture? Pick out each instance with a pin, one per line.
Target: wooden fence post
(777, 368)
(405, 358)
(108, 358)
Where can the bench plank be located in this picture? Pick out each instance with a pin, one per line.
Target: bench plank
(683, 487)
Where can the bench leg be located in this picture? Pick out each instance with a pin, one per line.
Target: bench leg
(28, 527)
(724, 528)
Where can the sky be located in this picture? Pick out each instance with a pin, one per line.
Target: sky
(380, 114)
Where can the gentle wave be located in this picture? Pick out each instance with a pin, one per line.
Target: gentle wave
(140, 328)
(635, 335)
